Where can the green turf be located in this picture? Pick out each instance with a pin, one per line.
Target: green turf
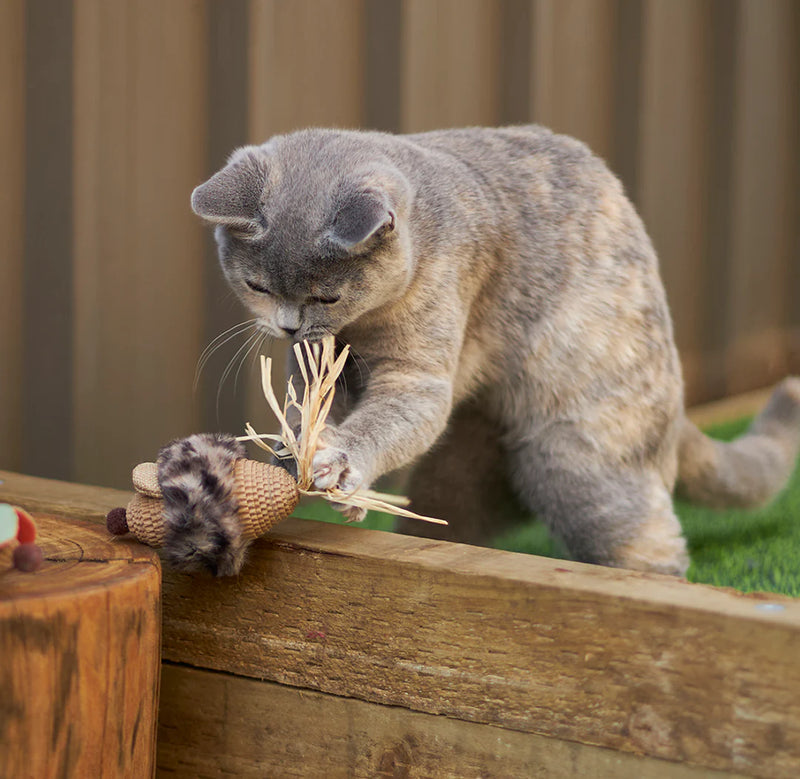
(748, 550)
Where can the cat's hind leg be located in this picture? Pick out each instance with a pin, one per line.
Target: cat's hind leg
(464, 480)
(618, 515)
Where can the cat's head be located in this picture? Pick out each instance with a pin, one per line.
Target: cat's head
(311, 229)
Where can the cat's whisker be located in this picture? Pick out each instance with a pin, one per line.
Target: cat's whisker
(220, 340)
(357, 360)
(229, 367)
(266, 339)
(254, 340)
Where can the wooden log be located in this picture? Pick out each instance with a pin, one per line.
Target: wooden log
(80, 644)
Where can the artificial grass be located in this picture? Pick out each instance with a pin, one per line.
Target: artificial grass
(756, 550)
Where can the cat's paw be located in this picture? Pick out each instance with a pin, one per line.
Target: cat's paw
(332, 467)
(196, 479)
(351, 513)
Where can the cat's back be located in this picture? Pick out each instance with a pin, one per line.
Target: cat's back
(516, 152)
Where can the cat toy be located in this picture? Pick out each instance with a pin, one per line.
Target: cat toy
(266, 494)
(17, 524)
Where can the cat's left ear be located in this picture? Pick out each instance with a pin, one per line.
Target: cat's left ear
(361, 221)
(232, 196)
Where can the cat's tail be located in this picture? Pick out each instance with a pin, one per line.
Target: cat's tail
(750, 470)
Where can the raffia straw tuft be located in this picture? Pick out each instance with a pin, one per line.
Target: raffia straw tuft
(319, 368)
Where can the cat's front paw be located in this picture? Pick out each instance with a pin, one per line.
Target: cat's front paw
(332, 467)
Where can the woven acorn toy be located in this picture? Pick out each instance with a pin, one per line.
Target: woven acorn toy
(263, 494)
(206, 502)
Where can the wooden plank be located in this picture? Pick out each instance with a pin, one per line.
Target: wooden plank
(451, 64)
(47, 347)
(672, 177)
(140, 117)
(213, 724)
(573, 66)
(721, 93)
(382, 31)
(627, 93)
(80, 646)
(639, 663)
(764, 242)
(227, 117)
(12, 197)
(516, 72)
(306, 65)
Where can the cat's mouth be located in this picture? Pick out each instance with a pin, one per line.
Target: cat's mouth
(312, 335)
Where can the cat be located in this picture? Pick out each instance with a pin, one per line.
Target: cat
(512, 337)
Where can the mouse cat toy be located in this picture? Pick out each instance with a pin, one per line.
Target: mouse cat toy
(510, 332)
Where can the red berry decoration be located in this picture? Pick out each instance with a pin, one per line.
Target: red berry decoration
(117, 522)
(28, 557)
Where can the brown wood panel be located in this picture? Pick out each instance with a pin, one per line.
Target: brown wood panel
(213, 724)
(306, 65)
(47, 345)
(306, 68)
(451, 64)
(764, 240)
(672, 175)
(12, 197)
(573, 65)
(139, 149)
(80, 641)
(382, 30)
(643, 664)
(227, 32)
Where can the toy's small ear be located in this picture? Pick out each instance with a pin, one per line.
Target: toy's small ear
(232, 197)
(362, 220)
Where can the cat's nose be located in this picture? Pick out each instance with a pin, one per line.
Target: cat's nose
(290, 331)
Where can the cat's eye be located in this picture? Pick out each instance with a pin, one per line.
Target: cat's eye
(257, 287)
(329, 300)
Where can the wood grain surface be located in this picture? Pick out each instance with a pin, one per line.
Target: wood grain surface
(214, 724)
(80, 646)
(639, 663)
(642, 664)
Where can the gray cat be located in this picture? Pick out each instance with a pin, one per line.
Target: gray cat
(511, 332)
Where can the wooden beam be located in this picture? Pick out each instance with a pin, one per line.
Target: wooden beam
(640, 663)
(214, 724)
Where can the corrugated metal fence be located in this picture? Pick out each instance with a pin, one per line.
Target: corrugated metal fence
(113, 111)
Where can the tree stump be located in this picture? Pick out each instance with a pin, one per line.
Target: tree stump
(80, 656)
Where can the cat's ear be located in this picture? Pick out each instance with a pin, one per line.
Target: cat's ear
(232, 197)
(363, 219)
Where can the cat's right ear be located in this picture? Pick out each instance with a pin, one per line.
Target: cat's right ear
(232, 197)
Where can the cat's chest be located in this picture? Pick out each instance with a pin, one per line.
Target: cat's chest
(475, 368)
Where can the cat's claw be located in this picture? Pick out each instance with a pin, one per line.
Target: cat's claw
(351, 513)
